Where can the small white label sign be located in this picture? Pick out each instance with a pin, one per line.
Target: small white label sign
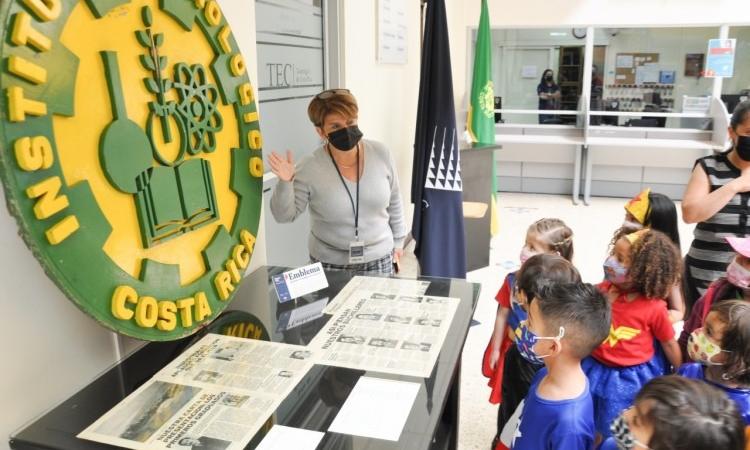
(298, 282)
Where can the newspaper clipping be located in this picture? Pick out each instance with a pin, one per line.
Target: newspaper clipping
(376, 284)
(386, 332)
(214, 396)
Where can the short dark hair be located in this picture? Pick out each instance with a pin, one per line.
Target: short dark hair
(736, 339)
(740, 114)
(581, 309)
(689, 414)
(543, 270)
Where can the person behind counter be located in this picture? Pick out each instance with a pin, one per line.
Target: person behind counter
(351, 187)
(549, 96)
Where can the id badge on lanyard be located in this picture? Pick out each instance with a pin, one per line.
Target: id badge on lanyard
(356, 252)
(356, 247)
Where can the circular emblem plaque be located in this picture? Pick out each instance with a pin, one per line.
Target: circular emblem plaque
(131, 156)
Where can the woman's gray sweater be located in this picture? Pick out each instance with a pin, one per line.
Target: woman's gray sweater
(316, 183)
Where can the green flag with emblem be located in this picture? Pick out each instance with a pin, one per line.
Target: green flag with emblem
(481, 119)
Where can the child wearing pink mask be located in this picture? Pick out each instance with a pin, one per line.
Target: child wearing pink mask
(545, 236)
(735, 285)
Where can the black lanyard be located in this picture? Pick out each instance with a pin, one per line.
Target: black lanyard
(355, 209)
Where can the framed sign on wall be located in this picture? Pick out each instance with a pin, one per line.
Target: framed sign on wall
(694, 63)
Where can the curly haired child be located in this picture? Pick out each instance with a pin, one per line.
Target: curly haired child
(656, 212)
(639, 272)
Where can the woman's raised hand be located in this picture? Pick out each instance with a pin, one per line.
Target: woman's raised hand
(283, 168)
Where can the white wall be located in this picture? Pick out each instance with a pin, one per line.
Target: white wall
(387, 93)
(52, 348)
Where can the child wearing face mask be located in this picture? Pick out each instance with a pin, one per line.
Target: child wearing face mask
(565, 323)
(545, 236)
(656, 212)
(639, 272)
(537, 272)
(735, 285)
(673, 413)
(722, 351)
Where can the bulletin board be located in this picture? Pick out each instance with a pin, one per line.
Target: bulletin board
(627, 64)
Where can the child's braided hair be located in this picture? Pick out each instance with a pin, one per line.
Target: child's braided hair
(556, 235)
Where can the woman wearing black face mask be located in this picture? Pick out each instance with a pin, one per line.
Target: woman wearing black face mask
(717, 198)
(549, 96)
(351, 187)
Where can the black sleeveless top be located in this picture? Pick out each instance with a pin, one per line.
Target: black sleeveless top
(710, 253)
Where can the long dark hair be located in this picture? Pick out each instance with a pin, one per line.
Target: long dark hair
(542, 81)
(689, 414)
(662, 216)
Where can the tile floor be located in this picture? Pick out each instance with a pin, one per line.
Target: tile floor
(592, 226)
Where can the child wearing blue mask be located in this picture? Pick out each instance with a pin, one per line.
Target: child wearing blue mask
(672, 413)
(546, 236)
(565, 323)
(722, 351)
(640, 271)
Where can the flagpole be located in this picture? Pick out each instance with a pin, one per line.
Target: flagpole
(423, 4)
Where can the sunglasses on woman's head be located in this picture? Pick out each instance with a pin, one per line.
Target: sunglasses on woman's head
(331, 92)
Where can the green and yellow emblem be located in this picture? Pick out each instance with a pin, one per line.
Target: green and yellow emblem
(487, 100)
(131, 156)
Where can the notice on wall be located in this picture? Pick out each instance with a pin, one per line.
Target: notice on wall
(720, 60)
(389, 333)
(383, 285)
(647, 73)
(529, 72)
(636, 68)
(215, 395)
(392, 31)
(624, 61)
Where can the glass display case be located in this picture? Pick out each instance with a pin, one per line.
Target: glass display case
(315, 401)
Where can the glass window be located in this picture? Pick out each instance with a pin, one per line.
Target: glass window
(651, 70)
(538, 69)
(737, 88)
